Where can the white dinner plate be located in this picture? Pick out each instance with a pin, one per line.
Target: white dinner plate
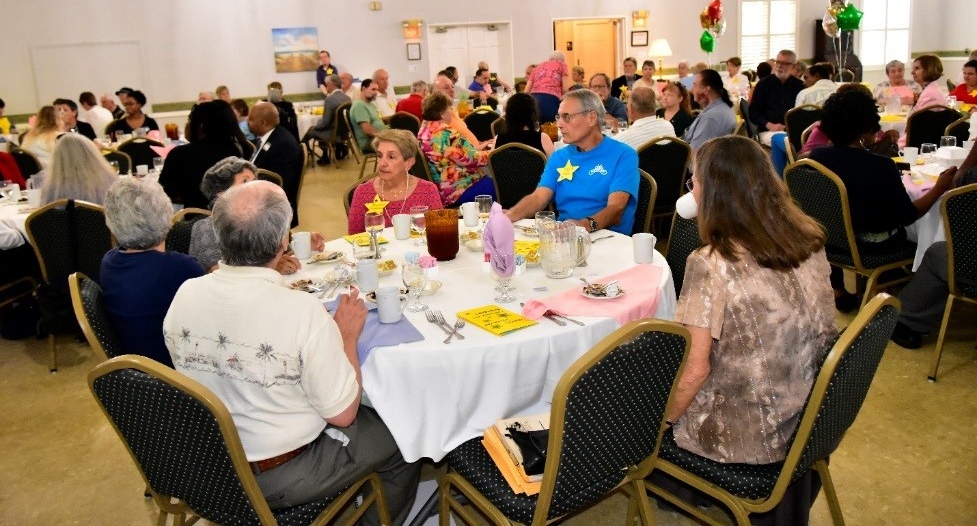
(327, 258)
(602, 297)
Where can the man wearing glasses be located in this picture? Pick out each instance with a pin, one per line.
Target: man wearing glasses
(593, 181)
(774, 95)
(614, 110)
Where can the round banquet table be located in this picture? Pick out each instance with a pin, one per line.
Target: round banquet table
(435, 396)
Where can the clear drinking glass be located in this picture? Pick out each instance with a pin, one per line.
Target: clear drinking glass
(415, 281)
(115, 166)
(373, 222)
(158, 164)
(10, 191)
(417, 219)
(948, 141)
(505, 288)
(484, 208)
(926, 151)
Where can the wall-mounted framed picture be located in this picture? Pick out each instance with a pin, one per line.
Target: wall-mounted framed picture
(414, 50)
(639, 38)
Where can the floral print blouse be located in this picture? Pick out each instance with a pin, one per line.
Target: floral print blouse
(455, 162)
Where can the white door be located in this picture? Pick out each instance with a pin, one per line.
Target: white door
(464, 46)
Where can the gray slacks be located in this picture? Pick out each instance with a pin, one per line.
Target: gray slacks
(327, 467)
(924, 297)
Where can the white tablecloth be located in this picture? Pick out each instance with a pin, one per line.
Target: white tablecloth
(894, 122)
(928, 229)
(306, 121)
(15, 215)
(434, 396)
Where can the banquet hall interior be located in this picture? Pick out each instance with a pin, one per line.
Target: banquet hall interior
(909, 458)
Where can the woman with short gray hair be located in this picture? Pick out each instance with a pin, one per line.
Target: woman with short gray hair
(139, 278)
(896, 85)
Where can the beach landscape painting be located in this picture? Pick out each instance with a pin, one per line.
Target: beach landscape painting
(296, 49)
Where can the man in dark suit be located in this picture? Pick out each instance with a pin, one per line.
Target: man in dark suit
(286, 111)
(277, 150)
(627, 79)
(323, 130)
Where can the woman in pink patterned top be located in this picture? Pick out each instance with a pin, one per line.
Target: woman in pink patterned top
(396, 151)
(547, 84)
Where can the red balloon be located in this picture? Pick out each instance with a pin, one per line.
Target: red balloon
(715, 10)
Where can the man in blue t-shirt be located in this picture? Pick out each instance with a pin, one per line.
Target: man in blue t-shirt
(594, 179)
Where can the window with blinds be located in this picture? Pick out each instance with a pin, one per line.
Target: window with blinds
(884, 32)
(766, 27)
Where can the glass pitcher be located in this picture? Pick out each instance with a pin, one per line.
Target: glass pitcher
(559, 249)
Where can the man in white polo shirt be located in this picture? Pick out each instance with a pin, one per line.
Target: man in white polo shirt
(286, 370)
(644, 124)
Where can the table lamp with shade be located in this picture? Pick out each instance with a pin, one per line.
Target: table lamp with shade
(660, 48)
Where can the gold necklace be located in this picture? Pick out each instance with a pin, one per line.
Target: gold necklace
(403, 203)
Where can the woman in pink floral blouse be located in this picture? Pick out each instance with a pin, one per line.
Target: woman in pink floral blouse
(547, 84)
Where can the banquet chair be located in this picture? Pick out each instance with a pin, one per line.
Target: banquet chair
(268, 175)
(957, 208)
(421, 169)
(67, 236)
(742, 129)
(929, 124)
(960, 129)
(666, 159)
(139, 151)
(647, 193)
(89, 307)
(354, 145)
(797, 120)
(822, 195)
(516, 170)
(499, 127)
(682, 241)
(26, 162)
(751, 130)
(122, 158)
(181, 227)
(341, 134)
(351, 189)
(480, 123)
(841, 383)
(405, 121)
(184, 443)
(606, 420)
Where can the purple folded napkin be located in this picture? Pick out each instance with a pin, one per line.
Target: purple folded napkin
(500, 239)
(376, 334)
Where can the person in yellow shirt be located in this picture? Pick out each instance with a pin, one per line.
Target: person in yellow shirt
(4, 121)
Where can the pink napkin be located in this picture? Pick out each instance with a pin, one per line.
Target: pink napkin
(914, 190)
(640, 300)
(154, 135)
(499, 239)
(162, 151)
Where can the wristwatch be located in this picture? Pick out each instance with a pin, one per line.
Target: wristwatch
(593, 224)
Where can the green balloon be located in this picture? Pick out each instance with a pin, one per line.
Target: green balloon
(850, 18)
(707, 42)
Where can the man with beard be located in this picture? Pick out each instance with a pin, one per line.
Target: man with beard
(365, 117)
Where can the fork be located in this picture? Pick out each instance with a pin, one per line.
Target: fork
(431, 318)
(454, 331)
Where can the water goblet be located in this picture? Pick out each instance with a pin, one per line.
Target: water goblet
(484, 208)
(414, 280)
(505, 288)
(417, 219)
(115, 166)
(948, 141)
(926, 151)
(9, 191)
(158, 164)
(373, 222)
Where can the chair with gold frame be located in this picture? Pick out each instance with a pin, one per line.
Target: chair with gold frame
(351, 189)
(89, 305)
(606, 421)
(181, 228)
(647, 194)
(354, 145)
(186, 447)
(839, 389)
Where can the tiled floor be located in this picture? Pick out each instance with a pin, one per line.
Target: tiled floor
(909, 459)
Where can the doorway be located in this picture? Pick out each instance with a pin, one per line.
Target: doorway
(594, 43)
(465, 45)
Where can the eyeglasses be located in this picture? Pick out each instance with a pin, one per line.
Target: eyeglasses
(785, 64)
(598, 86)
(690, 183)
(565, 117)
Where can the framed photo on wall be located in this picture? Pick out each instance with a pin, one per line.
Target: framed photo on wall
(639, 38)
(414, 51)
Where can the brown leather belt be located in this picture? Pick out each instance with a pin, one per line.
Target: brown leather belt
(268, 464)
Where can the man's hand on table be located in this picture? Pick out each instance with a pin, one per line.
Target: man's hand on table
(288, 264)
(318, 242)
(350, 316)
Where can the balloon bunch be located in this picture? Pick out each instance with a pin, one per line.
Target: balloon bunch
(714, 25)
(841, 16)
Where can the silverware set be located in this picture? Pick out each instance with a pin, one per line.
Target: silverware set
(558, 318)
(435, 317)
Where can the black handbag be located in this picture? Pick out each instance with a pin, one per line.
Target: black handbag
(532, 446)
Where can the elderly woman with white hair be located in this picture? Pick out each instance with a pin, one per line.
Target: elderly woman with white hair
(138, 277)
(547, 84)
(897, 85)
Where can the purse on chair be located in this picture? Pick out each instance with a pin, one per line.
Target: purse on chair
(532, 447)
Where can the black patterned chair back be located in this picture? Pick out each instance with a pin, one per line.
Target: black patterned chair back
(69, 236)
(499, 127)
(960, 129)
(516, 169)
(647, 194)
(26, 162)
(121, 158)
(612, 403)
(480, 123)
(342, 131)
(750, 128)
(797, 120)
(960, 225)
(89, 305)
(929, 124)
(420, 168)
(842, 383)
(683, 240)
(405, 121)
(184, 442)
(823, 197)
(139, 150)
(351, 189)
(666, 159)
(178, 238)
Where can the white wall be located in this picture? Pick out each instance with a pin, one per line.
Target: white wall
(194, 45)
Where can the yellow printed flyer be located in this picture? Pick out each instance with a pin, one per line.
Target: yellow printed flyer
(495, 319)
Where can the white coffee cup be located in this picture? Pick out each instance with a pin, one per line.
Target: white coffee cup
(644, 247)
(401, 224)
(302, 245)
(389, 304)
(686, 206)
(142, 169)
(470, 212)
(34, 198)
(367, 277)
(909, 154)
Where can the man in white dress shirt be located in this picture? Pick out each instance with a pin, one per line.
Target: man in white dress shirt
(819, 86)
(645, 125)
(385, 101)
(96, 116)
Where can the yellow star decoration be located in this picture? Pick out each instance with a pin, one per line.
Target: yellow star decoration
(377, 205)
(566, 173)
